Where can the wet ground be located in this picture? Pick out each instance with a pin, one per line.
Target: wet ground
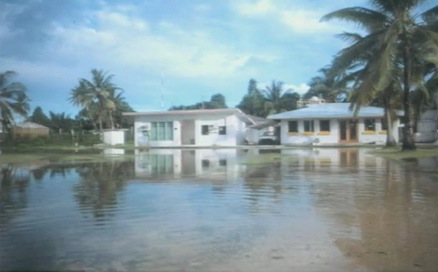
(221, 210)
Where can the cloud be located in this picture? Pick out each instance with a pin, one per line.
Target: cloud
(301, 89)
(304, 21)
(298, 19)
(254, 8)
(133, 42)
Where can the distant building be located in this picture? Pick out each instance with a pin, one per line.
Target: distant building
(30, 130)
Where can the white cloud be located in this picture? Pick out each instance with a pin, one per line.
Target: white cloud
(300, 20)
(110, 20)
(129, 41)
(301, 89)
(304, 21)
(254, 8)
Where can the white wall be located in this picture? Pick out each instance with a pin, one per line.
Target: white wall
(140, 122)
(114, 137)
(235, 130)
(301, 138)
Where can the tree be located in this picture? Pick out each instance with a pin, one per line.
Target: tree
(122, 106)
(253, 102)
(395, 39)
(39, 117)
(13, 100)
(217, 101)
(329, 85)
(97, 94)
(60, 122)
(277, 99)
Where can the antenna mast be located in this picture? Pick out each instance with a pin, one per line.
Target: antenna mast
(162, 89)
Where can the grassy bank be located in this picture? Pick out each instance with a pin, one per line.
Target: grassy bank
(398, 154)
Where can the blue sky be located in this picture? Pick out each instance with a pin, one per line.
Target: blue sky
(166, 52)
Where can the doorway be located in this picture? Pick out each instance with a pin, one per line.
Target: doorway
(348, 131)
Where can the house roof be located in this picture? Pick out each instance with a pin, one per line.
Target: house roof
(30, 125)
(186, 112)
(260, 122)
(202, 112)
(328, 111)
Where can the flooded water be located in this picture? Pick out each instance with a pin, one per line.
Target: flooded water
(221, 210)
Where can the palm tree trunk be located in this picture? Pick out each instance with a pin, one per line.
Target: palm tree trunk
(408, 130)
(111, 119)
(390, 141)
(100, 121)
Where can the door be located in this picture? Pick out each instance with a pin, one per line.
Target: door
(348, 131)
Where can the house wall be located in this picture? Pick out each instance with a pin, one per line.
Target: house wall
(186, 131)
(234, 131)
(142, 121)
(317, 137)
(427, 127)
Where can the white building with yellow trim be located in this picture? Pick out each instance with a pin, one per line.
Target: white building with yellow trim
(334, 123)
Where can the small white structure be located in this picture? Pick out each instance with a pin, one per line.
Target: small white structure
(427, 125)
(114, 136)
(333, 123)
(212, 127)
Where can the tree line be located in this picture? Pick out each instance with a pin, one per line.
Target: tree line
(392, 63)
(101, 100)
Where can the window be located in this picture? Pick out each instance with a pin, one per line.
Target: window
(161, 164)
(293, 126)
(161, 131)
(370, 124)
(205, 129)
(222, 130)
(308, 126)
(205, 163)
(324, 125)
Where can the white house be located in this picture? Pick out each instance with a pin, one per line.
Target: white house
(206, 127)
(333, 123)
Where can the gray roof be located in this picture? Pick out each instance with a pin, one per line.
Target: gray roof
(328, 111)
(196, 113)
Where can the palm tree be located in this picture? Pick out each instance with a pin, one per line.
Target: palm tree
(61, 122)
(97, 93)
(329, 85)
(275, 97)
(13, 100)
(395, 39)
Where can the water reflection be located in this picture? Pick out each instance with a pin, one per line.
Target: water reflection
(165, 164)
(13, 197)
(99, 184)
(221, 210)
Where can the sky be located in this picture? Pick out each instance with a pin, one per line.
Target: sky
(165, 53)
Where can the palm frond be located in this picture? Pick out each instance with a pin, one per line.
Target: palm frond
(430, 16)
(365, 18)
